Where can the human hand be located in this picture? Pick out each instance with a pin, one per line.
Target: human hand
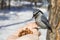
(30, 26)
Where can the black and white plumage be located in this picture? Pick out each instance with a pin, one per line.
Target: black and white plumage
(41, 20)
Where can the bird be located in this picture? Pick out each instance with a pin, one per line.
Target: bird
(41, 20)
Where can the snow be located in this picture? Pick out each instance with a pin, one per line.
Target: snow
(15, 3)
(16, 19)
(43, 34)
(25, 2)
(20, 15)
(21, 3)
(14, 22)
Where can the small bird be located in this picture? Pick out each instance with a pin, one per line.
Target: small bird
(41, 20)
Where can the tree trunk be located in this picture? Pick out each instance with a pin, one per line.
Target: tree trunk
(9, 4)
(54, 20)
(2, 4)
(35, 3)
(58, 32)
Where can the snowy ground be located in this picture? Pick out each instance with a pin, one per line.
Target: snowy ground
(17, 20)
(11, 20)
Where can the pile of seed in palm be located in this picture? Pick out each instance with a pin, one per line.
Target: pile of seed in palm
(25, 32)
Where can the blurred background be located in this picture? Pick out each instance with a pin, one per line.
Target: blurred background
(17, 13)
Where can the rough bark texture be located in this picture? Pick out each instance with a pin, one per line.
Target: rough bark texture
(58, 32)
(54, 20)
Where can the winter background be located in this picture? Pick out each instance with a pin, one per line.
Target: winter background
(11, 20)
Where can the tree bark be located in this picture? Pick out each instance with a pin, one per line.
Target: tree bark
(9, 4)
(54, 20)
(58, 32)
